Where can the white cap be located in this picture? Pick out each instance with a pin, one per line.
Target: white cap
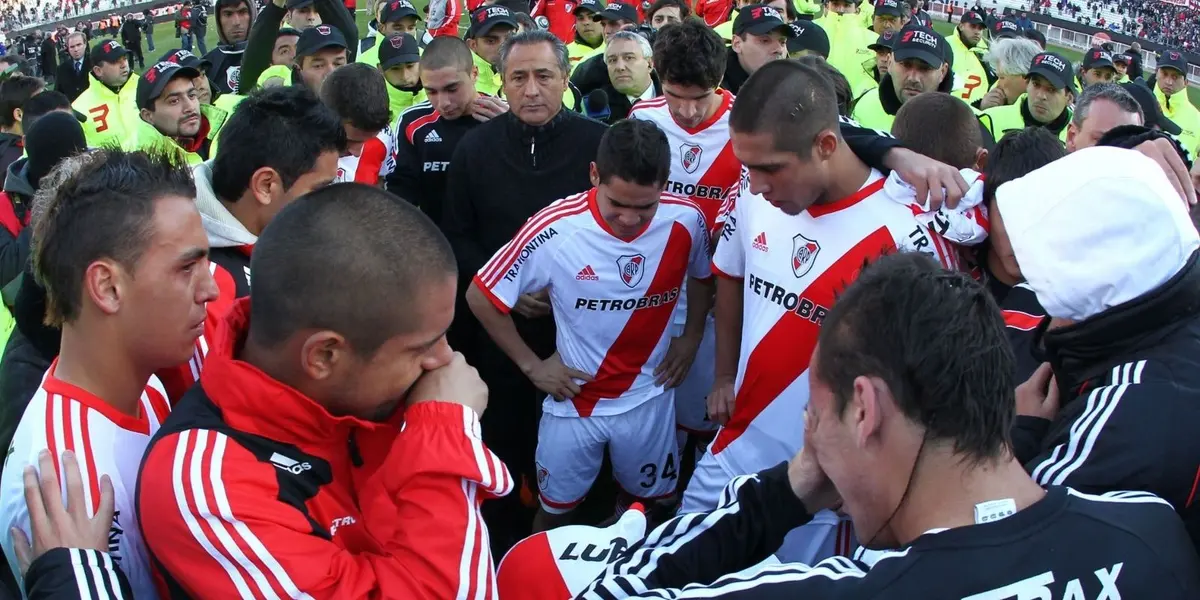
(1096, 229)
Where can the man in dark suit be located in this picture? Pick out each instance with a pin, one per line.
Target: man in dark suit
(630, 76)
(72, 76)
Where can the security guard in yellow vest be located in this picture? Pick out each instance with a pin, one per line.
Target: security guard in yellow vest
(171, 117)
(399, 60)
(971, 80)
(1098, 67)
(919, 65)
(110, 102)
(490, 26)
(1049, 92)
(848, 41)
(396, 16)
(1121, 64)
(1170, 89)
(589, 33)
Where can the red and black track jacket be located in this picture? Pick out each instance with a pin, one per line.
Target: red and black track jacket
(253, 490)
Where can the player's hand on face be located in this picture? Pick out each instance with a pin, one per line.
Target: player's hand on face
(678, 361)
(557, 379)
(720, 401)
(941, 183)
(456, 382)
(810, 483)
(54, 525)
(532, 306)
(488, 108)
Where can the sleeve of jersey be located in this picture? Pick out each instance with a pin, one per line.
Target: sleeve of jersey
(869, 145)
(404, 180)
(729, 259)
(443, 17)
(70, 573)
(370, 162)
(521, 265)
(700, 264)
(423, 503)
(697, 555)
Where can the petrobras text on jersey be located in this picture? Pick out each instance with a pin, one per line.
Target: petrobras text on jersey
(613, 304)
(790, 301)
(695, 190)
(532, 245)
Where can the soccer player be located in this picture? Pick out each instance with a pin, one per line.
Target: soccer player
(122, 254)
(614, 261)
(806, 218)
(358, 94)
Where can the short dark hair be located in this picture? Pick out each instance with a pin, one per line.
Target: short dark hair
(841, 85)
(349, 258)
(941, 127)
(14, 93)
(637, 151)
(685, 11)
(525, 21)
(24, 67)
(357, 92)
(936, 338)
(1018, 154)
(284, 128)
(789, 99)
(447, 51)
(689, 53)
(42, 104)
(105, 210)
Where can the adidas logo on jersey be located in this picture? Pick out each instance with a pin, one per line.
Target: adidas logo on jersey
(433, 137)
(290, 465)
(760, 242)
(587, 274)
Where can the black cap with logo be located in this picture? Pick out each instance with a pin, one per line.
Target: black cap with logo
(1005, 28)
(760, 19)
(619, 11)
(1056, 70)
(922, 44)
(294, 4)
(885, 42)
(1167, 59)
(1121, 58)
(186, 59)
(109, 51)
(1097, 58)
(890, 8)
(398, 49)
(398, 9)
(807, 35)
(592, 6)
(152, 83)
(973, 18)
(485, 18)
(318, 38)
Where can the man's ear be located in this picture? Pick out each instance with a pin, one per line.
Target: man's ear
(981, 159)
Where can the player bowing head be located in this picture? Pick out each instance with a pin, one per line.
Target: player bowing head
(630, 172)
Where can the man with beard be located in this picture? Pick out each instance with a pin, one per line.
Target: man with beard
(973, 81)
(234, 18)
(919, 65)
(1049, 92)
(171, 117)
(109, 103)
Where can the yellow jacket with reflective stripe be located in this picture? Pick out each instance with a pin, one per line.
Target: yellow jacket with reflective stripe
(1003, 119)
(146, 137)
(1185, 115)
(970, 78)
(111, 116)
(848, 52)
(579, 52)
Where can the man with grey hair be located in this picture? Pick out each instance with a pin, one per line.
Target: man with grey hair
(1101, 107)
(631, 77)
(1010, 59)
(504, 172)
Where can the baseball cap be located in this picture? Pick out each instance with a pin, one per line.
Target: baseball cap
(1056, 70)
(398, 49)
(1122, 58)
(890, 8)
(884, 42)
(593, 6)
(1079, 268)
(486, 17)
(1150, 110)
(152, 83)
(1035, 35)
(1005, 28)
(1097, 58)
(293, 4)
(973, 18)
(109, 51)
(807, 35)
(318, 38)
(398, 9)
(760, 19)
(186, 58)
(922, 44)
(1167, 59)
(619, 11)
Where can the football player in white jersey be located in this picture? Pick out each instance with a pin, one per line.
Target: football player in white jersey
(614, 260)
(809, 215)
(123, 256)
(358, 94)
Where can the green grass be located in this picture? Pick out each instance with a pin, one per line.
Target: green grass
(164, 38)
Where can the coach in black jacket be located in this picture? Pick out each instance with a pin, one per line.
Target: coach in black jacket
(1123, 341)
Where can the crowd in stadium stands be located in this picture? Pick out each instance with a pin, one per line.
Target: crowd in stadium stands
(15, 14)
